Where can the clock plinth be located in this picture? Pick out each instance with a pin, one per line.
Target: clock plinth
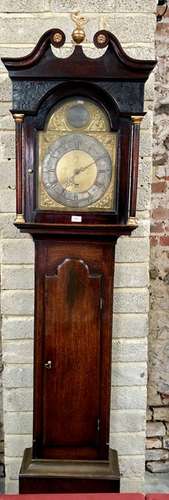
(63, 476)
(77, 151)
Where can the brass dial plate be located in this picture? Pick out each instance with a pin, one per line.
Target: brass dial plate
(83, 165)
(77, 159)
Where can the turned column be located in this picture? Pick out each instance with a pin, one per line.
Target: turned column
(19, 118)
(136, 120)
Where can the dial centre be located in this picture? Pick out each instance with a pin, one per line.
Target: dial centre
(76, 171)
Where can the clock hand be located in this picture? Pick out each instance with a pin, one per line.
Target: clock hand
(82, 169)
(70, 180)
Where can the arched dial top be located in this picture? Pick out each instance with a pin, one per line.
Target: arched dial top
(77, 153)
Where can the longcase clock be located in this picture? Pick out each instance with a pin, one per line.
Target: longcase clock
(77, 145)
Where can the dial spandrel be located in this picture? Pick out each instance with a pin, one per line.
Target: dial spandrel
(77, 167)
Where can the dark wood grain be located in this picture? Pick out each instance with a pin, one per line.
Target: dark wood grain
(68, 485)
(41, 62)
(92, 230)
(72, 331)
(63, 476)
(73, 323)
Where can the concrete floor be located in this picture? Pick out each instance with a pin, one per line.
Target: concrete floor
(157, 483)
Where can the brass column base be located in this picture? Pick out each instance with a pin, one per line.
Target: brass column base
(132, 221)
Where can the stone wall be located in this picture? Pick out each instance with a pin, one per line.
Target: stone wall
(21, 24)
(157, 454)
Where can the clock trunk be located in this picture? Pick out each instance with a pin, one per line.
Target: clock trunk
(72, 349)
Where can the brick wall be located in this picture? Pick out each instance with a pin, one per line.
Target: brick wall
(157, 454)
(21, 24)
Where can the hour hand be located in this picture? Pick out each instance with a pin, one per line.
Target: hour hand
(82, 169)
(69, 182)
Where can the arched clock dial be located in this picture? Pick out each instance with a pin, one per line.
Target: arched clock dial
(76, 170)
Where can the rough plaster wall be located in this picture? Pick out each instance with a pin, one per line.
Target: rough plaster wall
(157, 454)
(21, 24)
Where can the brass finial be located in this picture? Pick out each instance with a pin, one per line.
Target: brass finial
(57, 38)
(78, 34)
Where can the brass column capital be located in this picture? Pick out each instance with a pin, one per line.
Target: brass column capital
(136, 120)
(18, 117)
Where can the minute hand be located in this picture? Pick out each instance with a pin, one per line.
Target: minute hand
(82, 169)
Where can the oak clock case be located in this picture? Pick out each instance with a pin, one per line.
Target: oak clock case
(77, 150)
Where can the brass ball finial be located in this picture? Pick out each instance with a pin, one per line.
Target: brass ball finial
(78, 34)
(57, 38)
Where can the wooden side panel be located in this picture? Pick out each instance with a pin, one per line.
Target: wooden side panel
(71, 402)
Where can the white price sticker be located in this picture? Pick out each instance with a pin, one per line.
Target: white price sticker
(76, 218)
